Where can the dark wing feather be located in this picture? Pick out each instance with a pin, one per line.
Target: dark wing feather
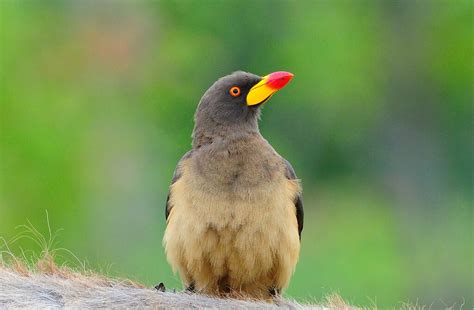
(291, 175)
(176, 176)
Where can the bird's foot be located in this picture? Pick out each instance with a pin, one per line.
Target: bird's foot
(275, 294)
(160, 287)
(191, 288)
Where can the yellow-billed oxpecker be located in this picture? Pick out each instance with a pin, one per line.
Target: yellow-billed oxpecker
(234, 211)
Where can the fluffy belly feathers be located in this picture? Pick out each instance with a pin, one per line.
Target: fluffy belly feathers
(226, 243)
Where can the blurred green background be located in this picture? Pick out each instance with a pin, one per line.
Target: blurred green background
(97, 103)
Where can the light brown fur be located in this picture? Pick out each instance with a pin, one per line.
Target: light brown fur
(232, 227)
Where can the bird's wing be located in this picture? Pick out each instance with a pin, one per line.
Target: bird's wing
(176, 176)
(291, 175)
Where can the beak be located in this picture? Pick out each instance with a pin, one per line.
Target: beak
(270, 84)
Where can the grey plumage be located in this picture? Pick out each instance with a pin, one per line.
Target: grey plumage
(221, 115)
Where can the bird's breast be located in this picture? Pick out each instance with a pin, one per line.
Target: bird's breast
(248, 237)
(240, 170)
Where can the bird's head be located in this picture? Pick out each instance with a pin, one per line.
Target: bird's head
(233, 102)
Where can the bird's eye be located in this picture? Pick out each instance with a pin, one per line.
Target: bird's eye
(234, 91)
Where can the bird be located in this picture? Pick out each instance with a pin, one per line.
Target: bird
(234, 211)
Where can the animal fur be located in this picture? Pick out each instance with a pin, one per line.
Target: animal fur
(53, 287)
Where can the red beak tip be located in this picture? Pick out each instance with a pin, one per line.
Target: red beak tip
(279, 79)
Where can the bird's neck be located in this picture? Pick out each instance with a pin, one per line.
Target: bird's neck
(205, 135)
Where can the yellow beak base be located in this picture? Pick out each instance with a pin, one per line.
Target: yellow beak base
(270, 84)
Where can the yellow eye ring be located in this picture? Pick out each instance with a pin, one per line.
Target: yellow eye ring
(234, 91)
